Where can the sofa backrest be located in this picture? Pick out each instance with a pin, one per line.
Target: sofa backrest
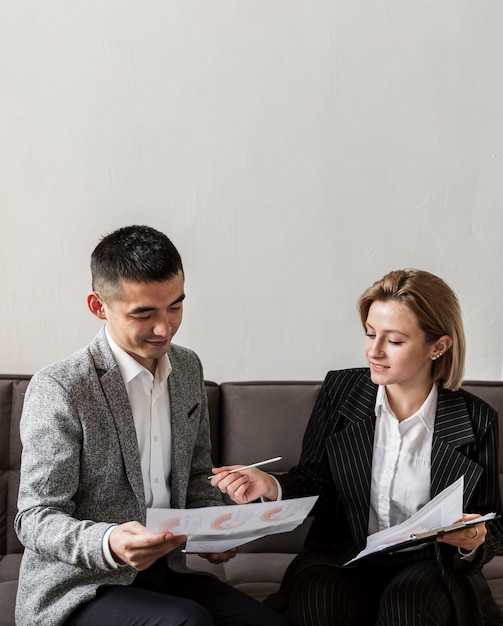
(12, 389)
(213, 394)
(261, 420)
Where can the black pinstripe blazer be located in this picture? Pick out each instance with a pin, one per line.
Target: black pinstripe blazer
(336, 463)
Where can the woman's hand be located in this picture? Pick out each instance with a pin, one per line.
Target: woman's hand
(467, 539)
(220, 557)
(246, 486)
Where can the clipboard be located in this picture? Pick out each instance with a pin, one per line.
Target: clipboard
(423, 537)
(431, 535)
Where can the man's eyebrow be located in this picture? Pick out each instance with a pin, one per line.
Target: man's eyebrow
(180, 298)
(147, 309)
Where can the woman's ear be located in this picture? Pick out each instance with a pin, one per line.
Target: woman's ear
(441, 346)
(96, 306)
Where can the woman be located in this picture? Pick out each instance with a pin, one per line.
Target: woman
(381, 442)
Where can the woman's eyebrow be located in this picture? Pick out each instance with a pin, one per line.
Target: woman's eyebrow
(389, 330)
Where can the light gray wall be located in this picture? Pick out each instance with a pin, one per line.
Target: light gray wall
(295, 151)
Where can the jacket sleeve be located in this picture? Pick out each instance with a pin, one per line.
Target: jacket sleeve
(51, 435)
(486, 497)
(312, 475)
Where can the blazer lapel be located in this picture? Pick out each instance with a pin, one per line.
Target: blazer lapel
(350, 453)
(453, 429)
(118, 403)
(181, 434)
(352, 470)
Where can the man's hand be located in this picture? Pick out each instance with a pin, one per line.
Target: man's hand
(130, 544)
(220, 557)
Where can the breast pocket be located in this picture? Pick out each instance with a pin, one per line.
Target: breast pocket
(193, 411)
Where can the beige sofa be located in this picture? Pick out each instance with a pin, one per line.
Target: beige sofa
(249, 421)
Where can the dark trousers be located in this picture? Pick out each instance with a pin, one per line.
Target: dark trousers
(401, 589)
(161, 597)
(412, 594)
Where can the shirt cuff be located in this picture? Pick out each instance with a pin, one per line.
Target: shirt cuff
(467, 556)
(107, 553)
(280, 491)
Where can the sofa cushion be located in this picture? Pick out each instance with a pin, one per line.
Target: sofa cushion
(493, 571)
(9, 572)
(246, 571)
(261, 420)
(7, 602)
(9, 567)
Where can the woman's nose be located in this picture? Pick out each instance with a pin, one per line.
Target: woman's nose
(376, 349)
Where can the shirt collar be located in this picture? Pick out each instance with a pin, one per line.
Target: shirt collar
(130, 368)
(426, 412)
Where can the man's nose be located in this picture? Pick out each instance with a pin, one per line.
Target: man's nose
(163, 325)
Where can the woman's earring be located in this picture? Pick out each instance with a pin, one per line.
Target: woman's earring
(437, 356)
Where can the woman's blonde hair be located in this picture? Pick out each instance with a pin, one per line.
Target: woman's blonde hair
(437, 311)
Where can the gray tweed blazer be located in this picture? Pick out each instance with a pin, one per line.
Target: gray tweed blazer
(80, 473)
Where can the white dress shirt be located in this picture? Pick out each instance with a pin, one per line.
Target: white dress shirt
(149, 400)
(401, 462)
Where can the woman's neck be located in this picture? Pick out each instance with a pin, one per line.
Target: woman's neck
(405, 402)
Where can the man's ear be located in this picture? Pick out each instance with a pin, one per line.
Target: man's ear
(96, 306)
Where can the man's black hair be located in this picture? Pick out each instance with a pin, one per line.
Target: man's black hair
(138, 254)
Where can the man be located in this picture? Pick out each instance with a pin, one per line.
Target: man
(118, 427)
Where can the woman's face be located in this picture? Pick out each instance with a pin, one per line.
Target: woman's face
(396, 348)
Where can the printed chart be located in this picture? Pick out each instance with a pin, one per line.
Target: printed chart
(220, 528)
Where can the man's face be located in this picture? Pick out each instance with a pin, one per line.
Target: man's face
(145, 317)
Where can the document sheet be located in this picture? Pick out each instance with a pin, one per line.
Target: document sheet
(220, 528)
(440, 515)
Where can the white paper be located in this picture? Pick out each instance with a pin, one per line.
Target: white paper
(445, 509)
(220, 528)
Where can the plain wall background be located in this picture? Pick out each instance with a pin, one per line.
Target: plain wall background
(295, 151)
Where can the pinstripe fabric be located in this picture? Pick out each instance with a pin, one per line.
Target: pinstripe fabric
(388, 596)
(336, 463)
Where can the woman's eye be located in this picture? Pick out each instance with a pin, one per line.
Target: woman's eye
(395, 343)
(369, 335)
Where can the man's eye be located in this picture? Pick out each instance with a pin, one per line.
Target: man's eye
(141, 318)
